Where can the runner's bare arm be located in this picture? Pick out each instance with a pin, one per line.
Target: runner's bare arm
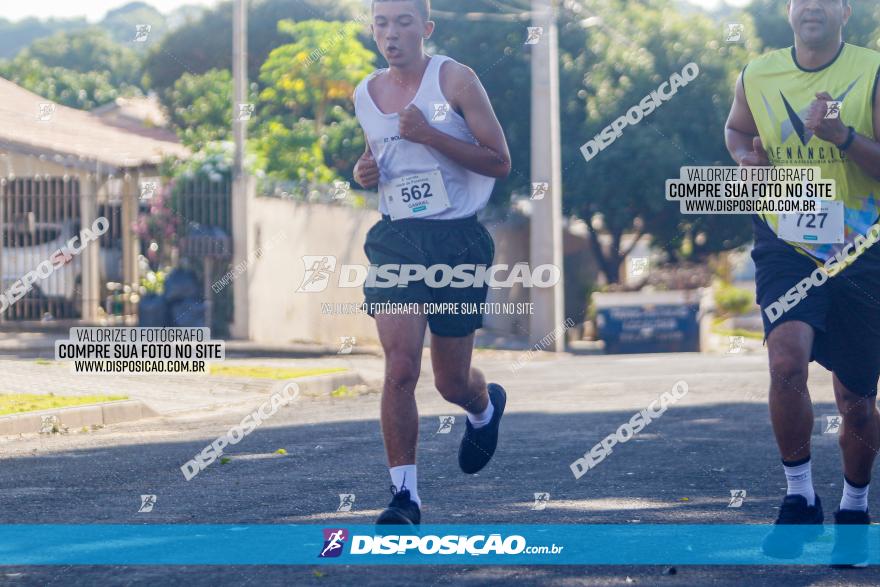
(741, 132)
(366, 170)
(490, 157)
(865, 151)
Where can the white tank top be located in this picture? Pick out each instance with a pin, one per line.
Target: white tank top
(468, 191)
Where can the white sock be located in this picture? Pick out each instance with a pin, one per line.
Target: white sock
(483, 418)
(404, 477)
(854, 498)
(800, 481)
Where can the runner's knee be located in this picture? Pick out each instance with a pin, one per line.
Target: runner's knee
(401, 372)
(451, 385)
(857, 411)
(788, 372)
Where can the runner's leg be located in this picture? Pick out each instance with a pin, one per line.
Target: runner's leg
(454, 378)
(859, 435)
(791, 411)
(402, 337)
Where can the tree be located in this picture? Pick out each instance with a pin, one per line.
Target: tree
(84, 91)
(635, 48)
(494, 47)
(603, 71)
(311, 81)
(774, 30)
(321, 67)
(122, 23)
(85, 51)
(177, 54)
(201, 108)
(14, 36)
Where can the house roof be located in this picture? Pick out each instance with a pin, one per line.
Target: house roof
(74, 137)
(140, 115)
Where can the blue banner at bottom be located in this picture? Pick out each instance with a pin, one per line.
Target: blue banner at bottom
(563, 544)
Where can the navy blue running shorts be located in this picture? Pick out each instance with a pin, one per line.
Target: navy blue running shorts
(844, 311)
(426, 242)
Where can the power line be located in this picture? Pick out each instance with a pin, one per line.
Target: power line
(482, 16)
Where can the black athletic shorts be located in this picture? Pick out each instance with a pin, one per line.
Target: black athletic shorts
(426, 242)
(844, 311)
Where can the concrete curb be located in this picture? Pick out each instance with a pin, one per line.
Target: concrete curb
(239, 349)
(75, 417)
(321, 385)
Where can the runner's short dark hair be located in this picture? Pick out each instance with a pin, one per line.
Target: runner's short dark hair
(423, 6)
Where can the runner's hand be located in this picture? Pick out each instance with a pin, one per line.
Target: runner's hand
(757, 157)
(414, 126)
(828, 129)
(366, 171)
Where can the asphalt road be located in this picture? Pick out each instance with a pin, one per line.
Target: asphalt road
(680, 469)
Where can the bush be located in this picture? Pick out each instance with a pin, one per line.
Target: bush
(733, 301)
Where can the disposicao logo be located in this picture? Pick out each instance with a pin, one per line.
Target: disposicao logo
(334, 540)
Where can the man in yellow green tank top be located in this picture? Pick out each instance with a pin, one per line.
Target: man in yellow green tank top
(817, 104)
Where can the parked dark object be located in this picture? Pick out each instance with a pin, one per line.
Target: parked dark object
(152, 311)
(182, 284)
(189, 313)
(213, 246)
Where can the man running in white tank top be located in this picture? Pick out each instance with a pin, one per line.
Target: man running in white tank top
(434, 150)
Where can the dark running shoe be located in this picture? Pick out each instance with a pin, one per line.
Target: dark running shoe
(478, 445)
(850, 539)
(787, 542)
(402, 510)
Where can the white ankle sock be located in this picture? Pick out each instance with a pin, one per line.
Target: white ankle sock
(800, 481)
(483, 418)
(854, 498)
(404, 477)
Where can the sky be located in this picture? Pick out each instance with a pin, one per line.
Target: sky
(94, 10)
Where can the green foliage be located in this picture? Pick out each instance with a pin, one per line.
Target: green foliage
(213, 163)
(292, 152)
(305, 133)
(200, 108)
(153, 283)
(82, 69)
(636, 47)
(63, 86)
(122, 23)
(14, 36)
(495, 50)
(342, 141)
(91, 50)
(774, 30)
(733, 301)
(320, 68)
(605, 69)
(207, 42)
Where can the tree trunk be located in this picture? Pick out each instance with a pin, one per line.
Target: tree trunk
(608, 262)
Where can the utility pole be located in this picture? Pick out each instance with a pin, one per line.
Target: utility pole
(240, 327)
(546, 221)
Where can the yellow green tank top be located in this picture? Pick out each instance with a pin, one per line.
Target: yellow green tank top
(779, 93)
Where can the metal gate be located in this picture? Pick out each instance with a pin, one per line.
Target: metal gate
(205, 208)
(39, 216)
(41, 274)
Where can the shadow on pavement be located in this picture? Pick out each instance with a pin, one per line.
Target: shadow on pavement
(680, 469)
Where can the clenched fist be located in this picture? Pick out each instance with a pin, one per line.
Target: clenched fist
(366, 171)
(414, 126)
(828, 129)
(757, 157)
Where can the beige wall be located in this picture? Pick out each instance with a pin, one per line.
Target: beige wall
(287, 231)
